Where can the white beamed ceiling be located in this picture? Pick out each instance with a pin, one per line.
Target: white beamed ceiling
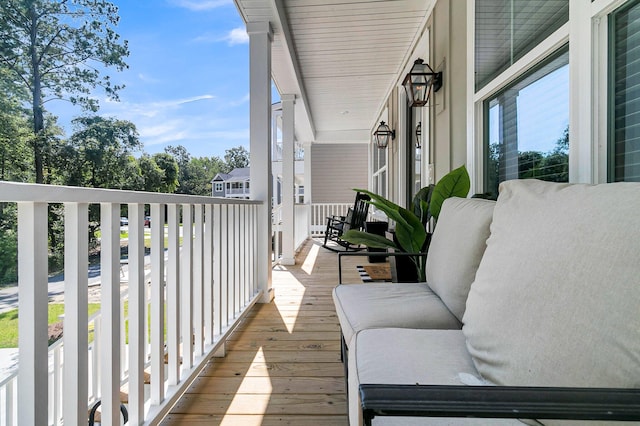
(341, 58)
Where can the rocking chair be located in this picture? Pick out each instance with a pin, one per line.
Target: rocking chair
(338, 225)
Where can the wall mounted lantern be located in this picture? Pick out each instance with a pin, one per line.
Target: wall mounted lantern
(383, 134)
(419, 83)
(419, 135)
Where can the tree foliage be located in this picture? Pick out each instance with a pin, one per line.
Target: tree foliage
(99, 154)
(236, 158)
(57, 50)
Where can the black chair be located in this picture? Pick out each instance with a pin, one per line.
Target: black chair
(338, 225)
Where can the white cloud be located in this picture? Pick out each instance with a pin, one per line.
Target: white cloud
(200, 5)
(147, 79)
(205, 129)
(237, 36)
(239, 102)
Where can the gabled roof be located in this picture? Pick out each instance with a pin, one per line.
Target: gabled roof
(236, 175)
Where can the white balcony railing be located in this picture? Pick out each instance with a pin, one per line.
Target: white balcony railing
(198, 282)
(320, 212)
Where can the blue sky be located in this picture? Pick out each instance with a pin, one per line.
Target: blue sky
(188, 77)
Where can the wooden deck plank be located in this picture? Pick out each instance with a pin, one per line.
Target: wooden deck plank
(282, 365)
(272, 369)
(257, 420)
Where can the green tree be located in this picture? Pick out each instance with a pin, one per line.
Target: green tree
(203, 170)
(195, 173)
(151, 174)
(14, 132)
(99, 154)
(236, 158)
(56, 49)
(170, 169)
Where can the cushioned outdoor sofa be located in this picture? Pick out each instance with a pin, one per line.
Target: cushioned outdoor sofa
(531, 310)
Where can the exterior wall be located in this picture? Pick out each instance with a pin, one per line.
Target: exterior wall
(217, 193)
(336, 169)
(448, 54)
(447, 48)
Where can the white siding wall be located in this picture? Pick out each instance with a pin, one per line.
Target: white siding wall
(336, 169)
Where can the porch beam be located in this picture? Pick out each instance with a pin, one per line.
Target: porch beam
(260, 40)
(288, 177)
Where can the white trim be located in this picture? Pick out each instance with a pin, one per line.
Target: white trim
(474, 112)
(600, 98)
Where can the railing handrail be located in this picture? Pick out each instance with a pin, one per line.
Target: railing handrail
(32, 192)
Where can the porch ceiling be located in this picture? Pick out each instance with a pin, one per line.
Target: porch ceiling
(341, 58)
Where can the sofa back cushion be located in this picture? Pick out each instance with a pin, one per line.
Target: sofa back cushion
(458, 243)
(556, 300)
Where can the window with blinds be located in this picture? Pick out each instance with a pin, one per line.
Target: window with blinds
(624, 94)
(527, 126)
(505, 30)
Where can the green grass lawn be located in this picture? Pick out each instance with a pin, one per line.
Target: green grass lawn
(9, 322)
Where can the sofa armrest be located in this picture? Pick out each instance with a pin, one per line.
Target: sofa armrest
(499, 402)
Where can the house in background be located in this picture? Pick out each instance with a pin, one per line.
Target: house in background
(234, 184)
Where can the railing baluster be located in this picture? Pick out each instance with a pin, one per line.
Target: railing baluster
(110, 311)
(32, 321)
(157, 303)
(242, 257)
(173, 296)
(10, 402)
(217, 269)
(254, 249)
(240, 261)
(231, 277)
(208, 274)
(96, 371)
(186, 285)
(235, 301)
(75, 337)
(198, 264)
(137, 319)
(224, 267)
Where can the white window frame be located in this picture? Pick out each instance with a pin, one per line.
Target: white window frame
(218, 186)
(587, 35)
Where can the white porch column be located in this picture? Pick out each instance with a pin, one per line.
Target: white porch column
(288, 176)
(260, 38)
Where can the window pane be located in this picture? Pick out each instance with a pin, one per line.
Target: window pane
(527, 130)
(625, 137)
(505, 30)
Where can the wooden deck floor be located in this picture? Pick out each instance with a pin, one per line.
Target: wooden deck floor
(283, 363)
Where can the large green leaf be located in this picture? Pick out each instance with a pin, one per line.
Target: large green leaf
(411, 236)
(454, 184)
(367, 239)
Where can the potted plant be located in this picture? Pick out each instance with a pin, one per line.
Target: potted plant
(411, 235)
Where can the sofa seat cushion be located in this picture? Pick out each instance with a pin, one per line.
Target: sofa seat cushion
(457, 245)
(557, 294)
(409, 356)
(375, 305)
